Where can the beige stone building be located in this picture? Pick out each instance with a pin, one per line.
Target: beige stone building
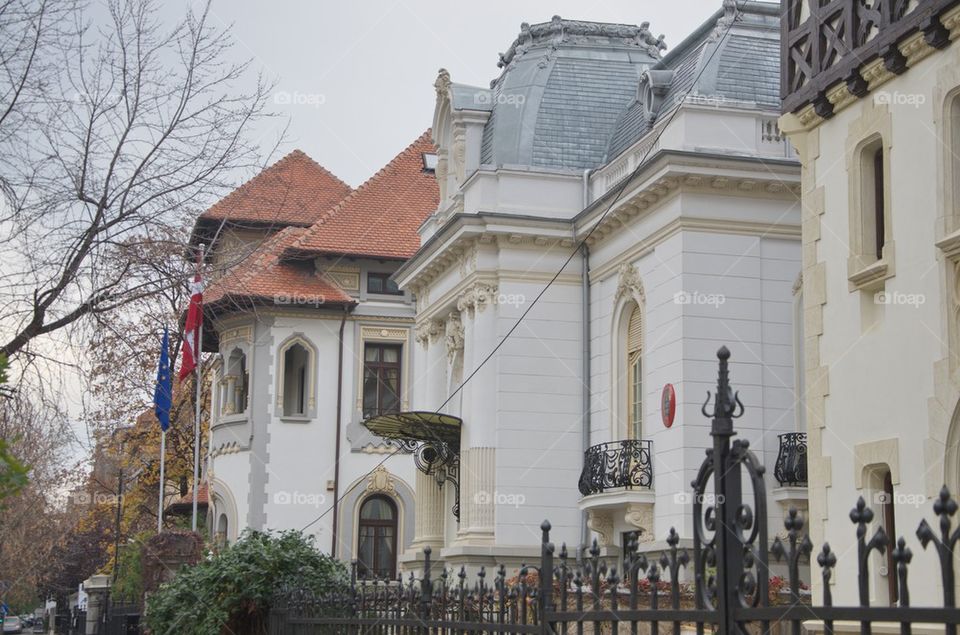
(871, 93)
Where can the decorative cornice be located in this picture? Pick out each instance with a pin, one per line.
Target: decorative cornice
(677, 225)
(866, 78)
(654, 193)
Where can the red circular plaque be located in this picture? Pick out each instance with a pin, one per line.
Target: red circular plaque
(668, 405)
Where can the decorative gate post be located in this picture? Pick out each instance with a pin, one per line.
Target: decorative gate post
(733, 553)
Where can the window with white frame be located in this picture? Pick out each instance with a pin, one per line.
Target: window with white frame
(297, 362)
(235, 384)
(381, 378)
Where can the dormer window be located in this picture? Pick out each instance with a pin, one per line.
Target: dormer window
(654, 86)
(381, 283)
(429, 162)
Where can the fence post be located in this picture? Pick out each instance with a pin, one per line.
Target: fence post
(426, 586)
(728, 494)
(546, 578)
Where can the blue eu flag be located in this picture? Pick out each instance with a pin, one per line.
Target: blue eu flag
(163, 393)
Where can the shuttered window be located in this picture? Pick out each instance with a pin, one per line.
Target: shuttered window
(635, 373)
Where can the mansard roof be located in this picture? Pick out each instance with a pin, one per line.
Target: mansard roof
(380, 218)
(262, 278)
(741, 69)
(293, 192)
(564, 85)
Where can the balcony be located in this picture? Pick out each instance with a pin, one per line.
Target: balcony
(791, 468)
(620, 464)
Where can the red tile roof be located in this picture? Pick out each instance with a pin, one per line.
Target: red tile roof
(380, 218)
(294, 191)
(262, 279)
(184, 503)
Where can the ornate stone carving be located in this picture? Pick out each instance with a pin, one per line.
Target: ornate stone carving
(381, 481)
(559, 31)
(443, 82)
(454, 335)
(477, 297)
(468, 259)
(459, 149)
(729, 17)
(601, 523)
(629, 282)
(640, 515)
(429, 331)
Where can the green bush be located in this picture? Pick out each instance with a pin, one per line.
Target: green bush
(231, 591)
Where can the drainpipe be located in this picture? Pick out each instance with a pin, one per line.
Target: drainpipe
(336, 456)
(585, 318)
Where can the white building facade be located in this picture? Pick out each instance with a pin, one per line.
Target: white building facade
(672, 172)
(311, 337)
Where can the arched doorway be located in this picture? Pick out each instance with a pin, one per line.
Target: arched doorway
(377, 538)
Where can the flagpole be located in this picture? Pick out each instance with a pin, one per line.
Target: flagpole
(163, 456)
(196, 421)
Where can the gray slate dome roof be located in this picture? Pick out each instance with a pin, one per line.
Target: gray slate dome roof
(564, 86)
(741, 69)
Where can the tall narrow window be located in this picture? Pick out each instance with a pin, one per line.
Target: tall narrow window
(377, 539)
(873, 195)
(235, 382)
(635, 373)
(296, 363)
(381, 379)
(878, 185)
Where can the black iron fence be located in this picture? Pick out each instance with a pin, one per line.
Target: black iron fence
(791, 467)
(627, 464)
(730, 593)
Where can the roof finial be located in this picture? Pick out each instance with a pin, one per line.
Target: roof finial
(443, 82)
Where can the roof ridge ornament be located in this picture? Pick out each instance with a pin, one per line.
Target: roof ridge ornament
(442, 84)
(559, 31)
(730, 15)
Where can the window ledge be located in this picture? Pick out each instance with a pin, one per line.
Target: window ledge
(870, 276)
(950, 245)
(295, 419)
(227, 420)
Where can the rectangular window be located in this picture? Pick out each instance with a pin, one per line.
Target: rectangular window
(381, 379)
(381, 283)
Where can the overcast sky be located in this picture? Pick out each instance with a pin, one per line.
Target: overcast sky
(362, 72)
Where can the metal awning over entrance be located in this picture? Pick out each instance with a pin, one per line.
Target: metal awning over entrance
(434, 439)
(427, 427)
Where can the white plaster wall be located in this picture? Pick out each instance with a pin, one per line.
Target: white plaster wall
(538, 420)
(754, 277)
(233, 470)
(881, 357)
(301, 454)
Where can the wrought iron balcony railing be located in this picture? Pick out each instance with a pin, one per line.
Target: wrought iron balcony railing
(619, 464)
(791, 468)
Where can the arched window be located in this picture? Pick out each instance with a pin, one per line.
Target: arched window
(235, 384)
(377, 541)
(635, 374)
(296, 375)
